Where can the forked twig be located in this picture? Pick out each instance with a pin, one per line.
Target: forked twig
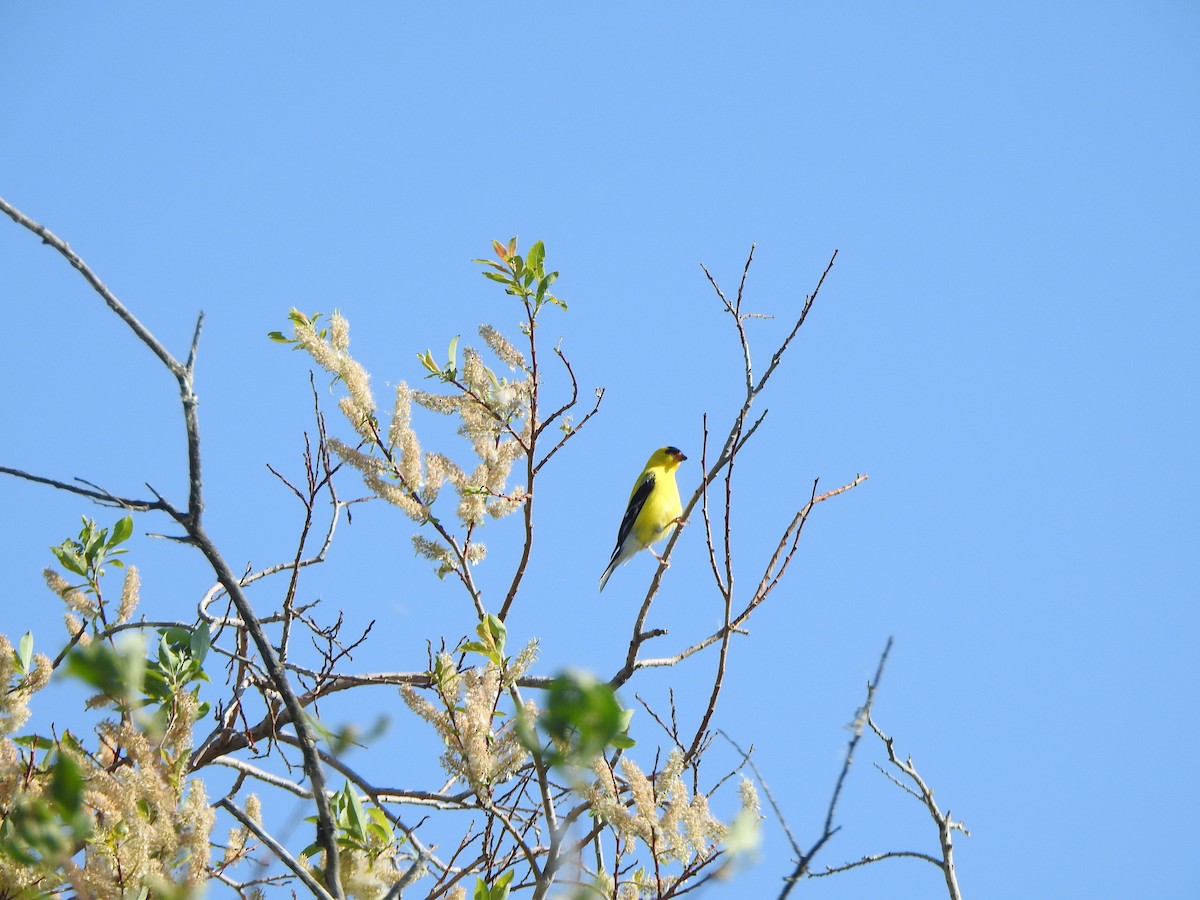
(190, 520)
(804, 858)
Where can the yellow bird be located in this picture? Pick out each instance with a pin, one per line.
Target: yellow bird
(653, 512)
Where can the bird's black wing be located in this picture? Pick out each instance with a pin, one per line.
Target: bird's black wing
(636, 502)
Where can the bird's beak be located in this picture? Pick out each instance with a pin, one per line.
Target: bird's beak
(682, 457)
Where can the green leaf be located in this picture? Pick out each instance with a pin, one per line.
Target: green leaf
(583, 713)
(299, 318)
(492, 634)
(500, 885)
(492, 263)
(355, 814)
(379, 818)
(426, 359)
(452, 353)
(443, 676)
(535, 256)
(66, 785)
(199, 643)
(36, 833)
(380, 827)
(176, 634)
(94, 543)
(167, 657)
(34, 742)
(25, 650)
(744, 835)
(155, 685)
(493, 631)
(118, 673)
(121, 531)
(69, 560)
(72, 743)
(498, 891)
(316, 725)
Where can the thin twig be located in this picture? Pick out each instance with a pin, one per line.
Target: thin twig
(275, 847)
(190, 520)
(945, 822)
(862, 717)
(808, 302)
(101, 497)
(264, 776)
(749, 760)
(875, 857)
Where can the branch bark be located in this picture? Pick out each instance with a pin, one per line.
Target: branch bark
(190, 520)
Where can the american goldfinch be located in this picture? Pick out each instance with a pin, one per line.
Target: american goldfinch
(653, 510)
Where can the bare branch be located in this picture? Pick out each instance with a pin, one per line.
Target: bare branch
(875, 857)
(275, 847)
(945, 823)
(749, 760)
(326, 830)
(861, 718)
(190, 519)
(808, 302)
(531, 822)
(737, 437)
(53, 240)
(102, 497)
(575, 429)
(263, 775)
(735, 310)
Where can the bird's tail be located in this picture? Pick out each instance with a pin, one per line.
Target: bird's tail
(612, 566)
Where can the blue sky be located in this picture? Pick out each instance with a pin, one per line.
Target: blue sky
(1007, 344)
